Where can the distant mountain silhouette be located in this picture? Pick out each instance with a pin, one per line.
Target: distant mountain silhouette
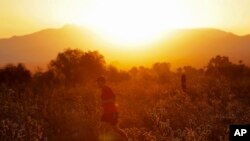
(40, 47)
(183, 47)
(197, 46)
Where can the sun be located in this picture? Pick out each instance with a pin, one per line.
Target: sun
(131, 23)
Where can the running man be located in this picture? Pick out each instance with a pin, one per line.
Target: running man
(108, 103)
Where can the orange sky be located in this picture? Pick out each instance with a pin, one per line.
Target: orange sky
(130, 21)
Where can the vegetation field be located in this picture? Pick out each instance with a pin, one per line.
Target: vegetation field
(63, 102)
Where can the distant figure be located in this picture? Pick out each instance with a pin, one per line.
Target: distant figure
(183, 82)
(108, 102)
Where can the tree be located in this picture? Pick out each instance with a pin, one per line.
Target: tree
(219, 65)
(15, 75)
(115, 75)
(162, 71)
(75, 66)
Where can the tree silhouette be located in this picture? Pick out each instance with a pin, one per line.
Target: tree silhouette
(15, 75)
(219, 65)
(75, 66)
(162, 71)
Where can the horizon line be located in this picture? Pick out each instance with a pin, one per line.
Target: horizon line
(85, 27)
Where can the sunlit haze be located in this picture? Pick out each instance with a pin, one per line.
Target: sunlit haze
(127, 22)
(124, 70)
(126, 32)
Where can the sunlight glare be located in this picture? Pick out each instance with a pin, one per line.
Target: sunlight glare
(133, 22)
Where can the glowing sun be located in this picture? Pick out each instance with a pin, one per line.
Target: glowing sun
(132, 22)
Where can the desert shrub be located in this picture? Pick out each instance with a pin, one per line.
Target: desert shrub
(62, 103)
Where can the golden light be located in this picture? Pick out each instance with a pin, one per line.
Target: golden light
(132, 23)
(129, 24)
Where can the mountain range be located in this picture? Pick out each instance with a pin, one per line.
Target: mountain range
(181, 47)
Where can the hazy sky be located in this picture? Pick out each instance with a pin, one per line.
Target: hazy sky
(26, 16)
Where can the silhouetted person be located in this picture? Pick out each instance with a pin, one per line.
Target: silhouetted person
(183, 82)
(108, 102)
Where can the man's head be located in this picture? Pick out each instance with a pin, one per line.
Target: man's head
(101, 81)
